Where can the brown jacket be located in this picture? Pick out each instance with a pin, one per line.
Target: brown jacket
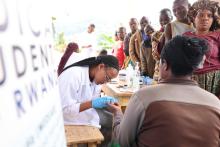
(174, 113)
(147, 60)
(134, 46)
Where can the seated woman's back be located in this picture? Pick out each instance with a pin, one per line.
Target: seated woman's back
(183, 116)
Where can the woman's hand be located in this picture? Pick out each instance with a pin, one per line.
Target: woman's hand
(114, 107)
(102, 102)
(149, 30)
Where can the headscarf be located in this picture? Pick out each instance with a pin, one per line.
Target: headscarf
(206, 5)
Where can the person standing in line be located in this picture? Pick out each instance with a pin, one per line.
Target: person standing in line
(182, 23)
(135, 41)
(146, 57)
(158, 39)
(118, 48)
(133, 23)
(205, 14)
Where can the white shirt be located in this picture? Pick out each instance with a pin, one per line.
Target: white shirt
(179, 28)
(88, 39)
(75, 88)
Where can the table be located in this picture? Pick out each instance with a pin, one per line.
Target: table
(113, 89)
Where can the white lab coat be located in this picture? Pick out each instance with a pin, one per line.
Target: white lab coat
(75, 87)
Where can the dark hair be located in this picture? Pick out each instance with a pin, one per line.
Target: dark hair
(186, 2)
(71, 47)
(165, 10)
(116, 33)
(103, 52)
(135, 19)
(92, 25)
(184, 54)
(108, 61)
(121, 28)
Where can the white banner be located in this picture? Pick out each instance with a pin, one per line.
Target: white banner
(30, 111)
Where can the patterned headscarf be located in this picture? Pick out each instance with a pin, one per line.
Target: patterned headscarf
(206, 5)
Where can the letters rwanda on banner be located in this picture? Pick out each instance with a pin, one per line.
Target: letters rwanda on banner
(30, 110)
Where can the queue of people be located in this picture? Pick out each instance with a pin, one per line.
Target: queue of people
(183, 109)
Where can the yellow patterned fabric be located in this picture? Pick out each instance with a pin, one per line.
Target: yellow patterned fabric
(155, 40)
(127, 61)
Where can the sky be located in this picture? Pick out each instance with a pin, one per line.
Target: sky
(73, 16)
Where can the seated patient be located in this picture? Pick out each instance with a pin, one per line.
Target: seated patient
(175, 112)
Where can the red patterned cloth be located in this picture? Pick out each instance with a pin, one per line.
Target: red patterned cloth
(212, 61)
(119, 52)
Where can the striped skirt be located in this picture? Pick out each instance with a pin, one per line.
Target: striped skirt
(209, 81)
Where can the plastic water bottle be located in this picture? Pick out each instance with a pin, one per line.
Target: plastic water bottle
(129, 75)
(136, 78)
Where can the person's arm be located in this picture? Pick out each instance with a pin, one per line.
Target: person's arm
(69, 84)
(155, 39)
(126, 45)
(149, 30)
(168, 32)
(125, 128)
(99, 102)
(84, 106)
(161, 44)
(69, 87)
(132, 48)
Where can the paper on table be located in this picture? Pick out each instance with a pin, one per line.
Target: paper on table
(126, 89)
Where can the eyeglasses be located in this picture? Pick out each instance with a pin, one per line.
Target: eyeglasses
(107, 78)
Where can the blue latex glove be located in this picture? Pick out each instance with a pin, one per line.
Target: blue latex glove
(147, 80)
(102, 102)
